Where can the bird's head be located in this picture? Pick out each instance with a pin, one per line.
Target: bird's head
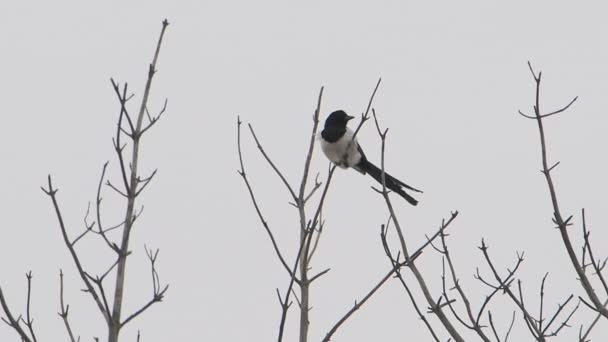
(338, 119)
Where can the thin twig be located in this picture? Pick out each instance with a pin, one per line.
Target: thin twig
(10, 319)
(529, 320)
(63, 313)
(255, 203)
(396, 266)
(29, 322)
(271, 163)
(456, 282)
(595, 263)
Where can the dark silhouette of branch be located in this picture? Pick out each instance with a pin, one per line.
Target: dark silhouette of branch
(157, 293)
(583, 336)
(274, 167)
(98, 200)
(365, 115)
(87, 227)
(133, 186)
(505, 285)
(131, 189)
(310, 229)
(473, 321)
(307, 230)
(358, 305)
(598, 266)
(286, 303)
(29, 322)
(535, 325)
(52, 193)
(255, 203)
(435, 307)
(64, 309)
(11, 321)
(562, 225)
(395, 269)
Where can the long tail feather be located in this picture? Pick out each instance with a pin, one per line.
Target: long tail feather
(391, 182)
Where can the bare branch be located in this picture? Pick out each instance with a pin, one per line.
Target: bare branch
(276, 170)
(474, 323)
(145, 182)
(52, 193)
(358, 305)
(255, 203)
(364, 118)
(435, 307)
(131, 185)
(154, 120)
(87, 227)
(29, 322)
(98, 200)
(396, 269)
(558, 218)
(157, 293)
(594, 262)
(285, 304)
(63, 313)
(311, 147)
(510, 327)
(108, 183)
(583, 337)
(10, 319)
(565, 322)
(528, 319)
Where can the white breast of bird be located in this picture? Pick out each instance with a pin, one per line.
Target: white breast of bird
(342, 152)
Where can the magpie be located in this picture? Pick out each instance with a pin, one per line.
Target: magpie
(339, 147)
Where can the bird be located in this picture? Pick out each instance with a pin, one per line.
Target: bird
(341, 149)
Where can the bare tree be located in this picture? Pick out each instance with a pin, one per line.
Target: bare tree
(310, 227)
(541, 326)
(128, 137)
(310, 231)
(452, 307)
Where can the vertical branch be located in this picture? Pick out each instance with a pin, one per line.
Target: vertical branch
(286, 303)
(562, 224)
(311, 146)
(29, 322)
(396, 266)
(474, 322)
(10, 319)
(306, 233)
(131, 191)
(306, 230)
(63, 313)
(597, 266)
(435, 307)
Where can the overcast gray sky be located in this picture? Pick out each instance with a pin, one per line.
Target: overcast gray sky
(453, 76)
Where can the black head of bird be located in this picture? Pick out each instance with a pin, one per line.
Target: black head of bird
(338, 119)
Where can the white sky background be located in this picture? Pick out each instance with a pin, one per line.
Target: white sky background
(453, 76)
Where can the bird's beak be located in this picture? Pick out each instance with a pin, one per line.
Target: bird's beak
(348, 117)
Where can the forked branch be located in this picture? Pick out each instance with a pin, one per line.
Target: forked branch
(562, 224)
